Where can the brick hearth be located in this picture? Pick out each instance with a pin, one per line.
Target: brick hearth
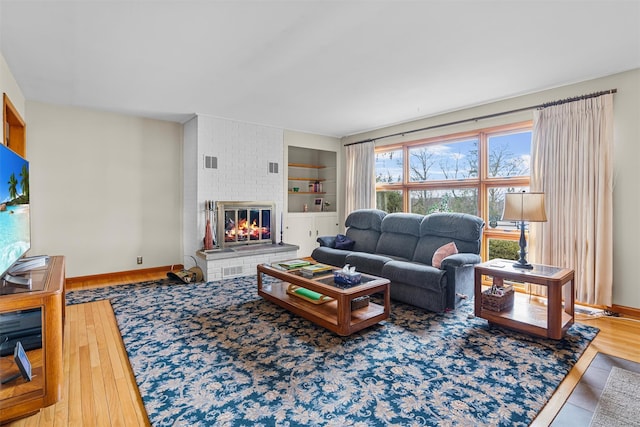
(241, 260)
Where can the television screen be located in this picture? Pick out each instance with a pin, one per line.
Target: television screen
(15, 236)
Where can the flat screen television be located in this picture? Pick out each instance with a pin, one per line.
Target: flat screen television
(15, 227)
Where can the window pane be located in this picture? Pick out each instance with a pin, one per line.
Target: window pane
(445, 161)
(496, 206)
(389, 167)
(389, 201)
(509, 155)
(463, 200)
(505, 249)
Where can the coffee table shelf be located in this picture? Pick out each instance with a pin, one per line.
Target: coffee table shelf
(336, 315)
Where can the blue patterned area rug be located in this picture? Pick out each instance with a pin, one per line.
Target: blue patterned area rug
(218, 354)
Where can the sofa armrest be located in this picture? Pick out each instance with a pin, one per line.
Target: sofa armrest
(328, 241)
(460, 277)
(459, 260)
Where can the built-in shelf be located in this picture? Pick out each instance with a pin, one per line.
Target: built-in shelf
(305, 193)
(310, 169)
(307, 179)
(305, 165)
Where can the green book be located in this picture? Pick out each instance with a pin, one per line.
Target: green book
(308, 293)
(317, 268)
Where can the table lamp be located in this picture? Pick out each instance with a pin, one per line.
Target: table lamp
(524, 207)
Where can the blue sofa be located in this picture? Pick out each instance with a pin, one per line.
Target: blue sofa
(400, 247)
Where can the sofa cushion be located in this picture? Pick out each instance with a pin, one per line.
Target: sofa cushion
(419, 275)
(365, 219)
(438, 229)
(400, 234)
(442, 252)
(367, 263)
(365, 240)
(363, 227)
(463, 229)
(427, 247)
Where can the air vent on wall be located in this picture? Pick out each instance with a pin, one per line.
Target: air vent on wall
(273, 167)
(232, 271)
(210, 162)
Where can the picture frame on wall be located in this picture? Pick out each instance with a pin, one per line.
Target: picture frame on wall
(318, 204)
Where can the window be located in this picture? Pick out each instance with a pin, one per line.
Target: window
(389, 166)
(426, 201)
(389, 201)
(509, 155)
(495, 207)
(468, 173)
(443, 161)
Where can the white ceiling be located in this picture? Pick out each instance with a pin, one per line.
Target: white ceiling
(327, 67)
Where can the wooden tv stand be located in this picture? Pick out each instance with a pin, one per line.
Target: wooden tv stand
(19, 398)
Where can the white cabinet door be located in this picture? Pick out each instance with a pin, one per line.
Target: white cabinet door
(304, 229)
(299, 230)
(326, 225)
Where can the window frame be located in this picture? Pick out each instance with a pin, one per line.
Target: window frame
(482, 182)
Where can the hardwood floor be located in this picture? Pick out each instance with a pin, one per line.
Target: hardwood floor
(99, 387)
(618, 336)
(100, 390)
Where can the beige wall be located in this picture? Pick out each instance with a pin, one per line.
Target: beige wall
(626, 198)
(105, 188)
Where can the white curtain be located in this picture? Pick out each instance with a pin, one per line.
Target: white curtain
(360, 190)
(572, 164)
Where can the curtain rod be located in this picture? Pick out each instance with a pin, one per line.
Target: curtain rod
(490, 116)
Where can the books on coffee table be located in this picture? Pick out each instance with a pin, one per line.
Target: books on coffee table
(314, 269)
(294, 263)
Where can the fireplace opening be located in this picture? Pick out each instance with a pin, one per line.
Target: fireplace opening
(243, 223)
(239, 228)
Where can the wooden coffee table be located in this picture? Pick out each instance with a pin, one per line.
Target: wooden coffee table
(336, 314)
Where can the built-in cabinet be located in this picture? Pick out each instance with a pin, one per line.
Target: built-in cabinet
(303, 229)
(312, 196)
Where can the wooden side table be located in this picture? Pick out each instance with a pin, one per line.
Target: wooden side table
(551, 321)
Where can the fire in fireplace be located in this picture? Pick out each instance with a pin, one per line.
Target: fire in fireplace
(242, 223)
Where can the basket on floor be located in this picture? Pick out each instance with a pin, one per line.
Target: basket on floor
(499, 300)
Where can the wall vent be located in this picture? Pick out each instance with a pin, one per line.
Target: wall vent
(273, 167)
(210, 162)
(232, 271)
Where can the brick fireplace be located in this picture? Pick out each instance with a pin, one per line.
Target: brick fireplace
(226, 160)
(244, 237)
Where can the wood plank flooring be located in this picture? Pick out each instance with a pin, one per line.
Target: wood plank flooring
(99, 387)
(100, 390)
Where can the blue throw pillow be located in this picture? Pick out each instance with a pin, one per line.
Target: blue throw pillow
(343, 242)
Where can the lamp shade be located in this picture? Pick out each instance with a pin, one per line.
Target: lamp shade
(524, 207)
